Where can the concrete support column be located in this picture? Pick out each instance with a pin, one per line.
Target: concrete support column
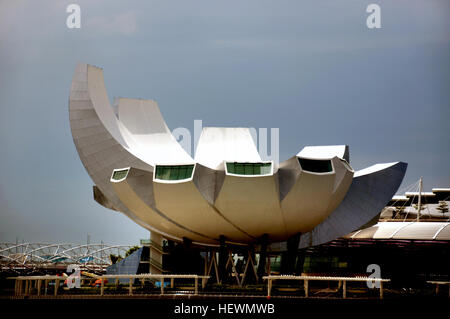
(223, 257)
(250, 273)
(288, 260)
(301, 254)
(263, 256)
(156, 259)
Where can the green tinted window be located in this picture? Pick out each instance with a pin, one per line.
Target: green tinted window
(266, 168)
(118, 175)
(165, 172)
(249, 168)
(183, 171)
(316, 166)
(173, 173)
(189, 170)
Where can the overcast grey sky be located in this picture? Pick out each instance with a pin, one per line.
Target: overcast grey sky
(311, 68)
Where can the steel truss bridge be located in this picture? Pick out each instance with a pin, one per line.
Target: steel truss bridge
(40, 257)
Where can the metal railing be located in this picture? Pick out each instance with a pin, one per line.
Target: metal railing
(307, 279)
(24, 284)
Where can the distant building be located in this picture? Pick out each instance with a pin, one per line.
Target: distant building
(404, 207)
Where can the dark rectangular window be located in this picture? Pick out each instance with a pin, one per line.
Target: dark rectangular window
(249, 168)
(173, 172)
(316, 166)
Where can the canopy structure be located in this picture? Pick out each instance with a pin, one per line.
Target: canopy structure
(407, 230)
(227, 190)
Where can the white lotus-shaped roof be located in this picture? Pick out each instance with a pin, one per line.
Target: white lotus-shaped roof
(141, 170)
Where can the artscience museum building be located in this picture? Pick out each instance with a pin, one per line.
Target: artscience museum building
(226, 192)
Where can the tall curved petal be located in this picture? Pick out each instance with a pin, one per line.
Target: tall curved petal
(102, 142)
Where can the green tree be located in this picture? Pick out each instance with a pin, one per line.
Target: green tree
(443, 207)
(115, 258)
(399, 210)
(131, 250)
(422, 207)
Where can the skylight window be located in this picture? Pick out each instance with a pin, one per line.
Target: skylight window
(173, 172)
(249, 168)
(316, 166)
(120, 174)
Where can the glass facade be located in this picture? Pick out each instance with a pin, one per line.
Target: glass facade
(118, 175)
(173, 173)
(316, 166)
(249, 168)
(127, 266)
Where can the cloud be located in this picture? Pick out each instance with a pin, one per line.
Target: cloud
(123, 23)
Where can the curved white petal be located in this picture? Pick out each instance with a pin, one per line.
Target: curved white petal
(102, 142)
(149, 132)
(252, 203)
(306, 204)
(183, 203)
(308, 197)
(137, 192)
(370, 191)
(230, 144)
